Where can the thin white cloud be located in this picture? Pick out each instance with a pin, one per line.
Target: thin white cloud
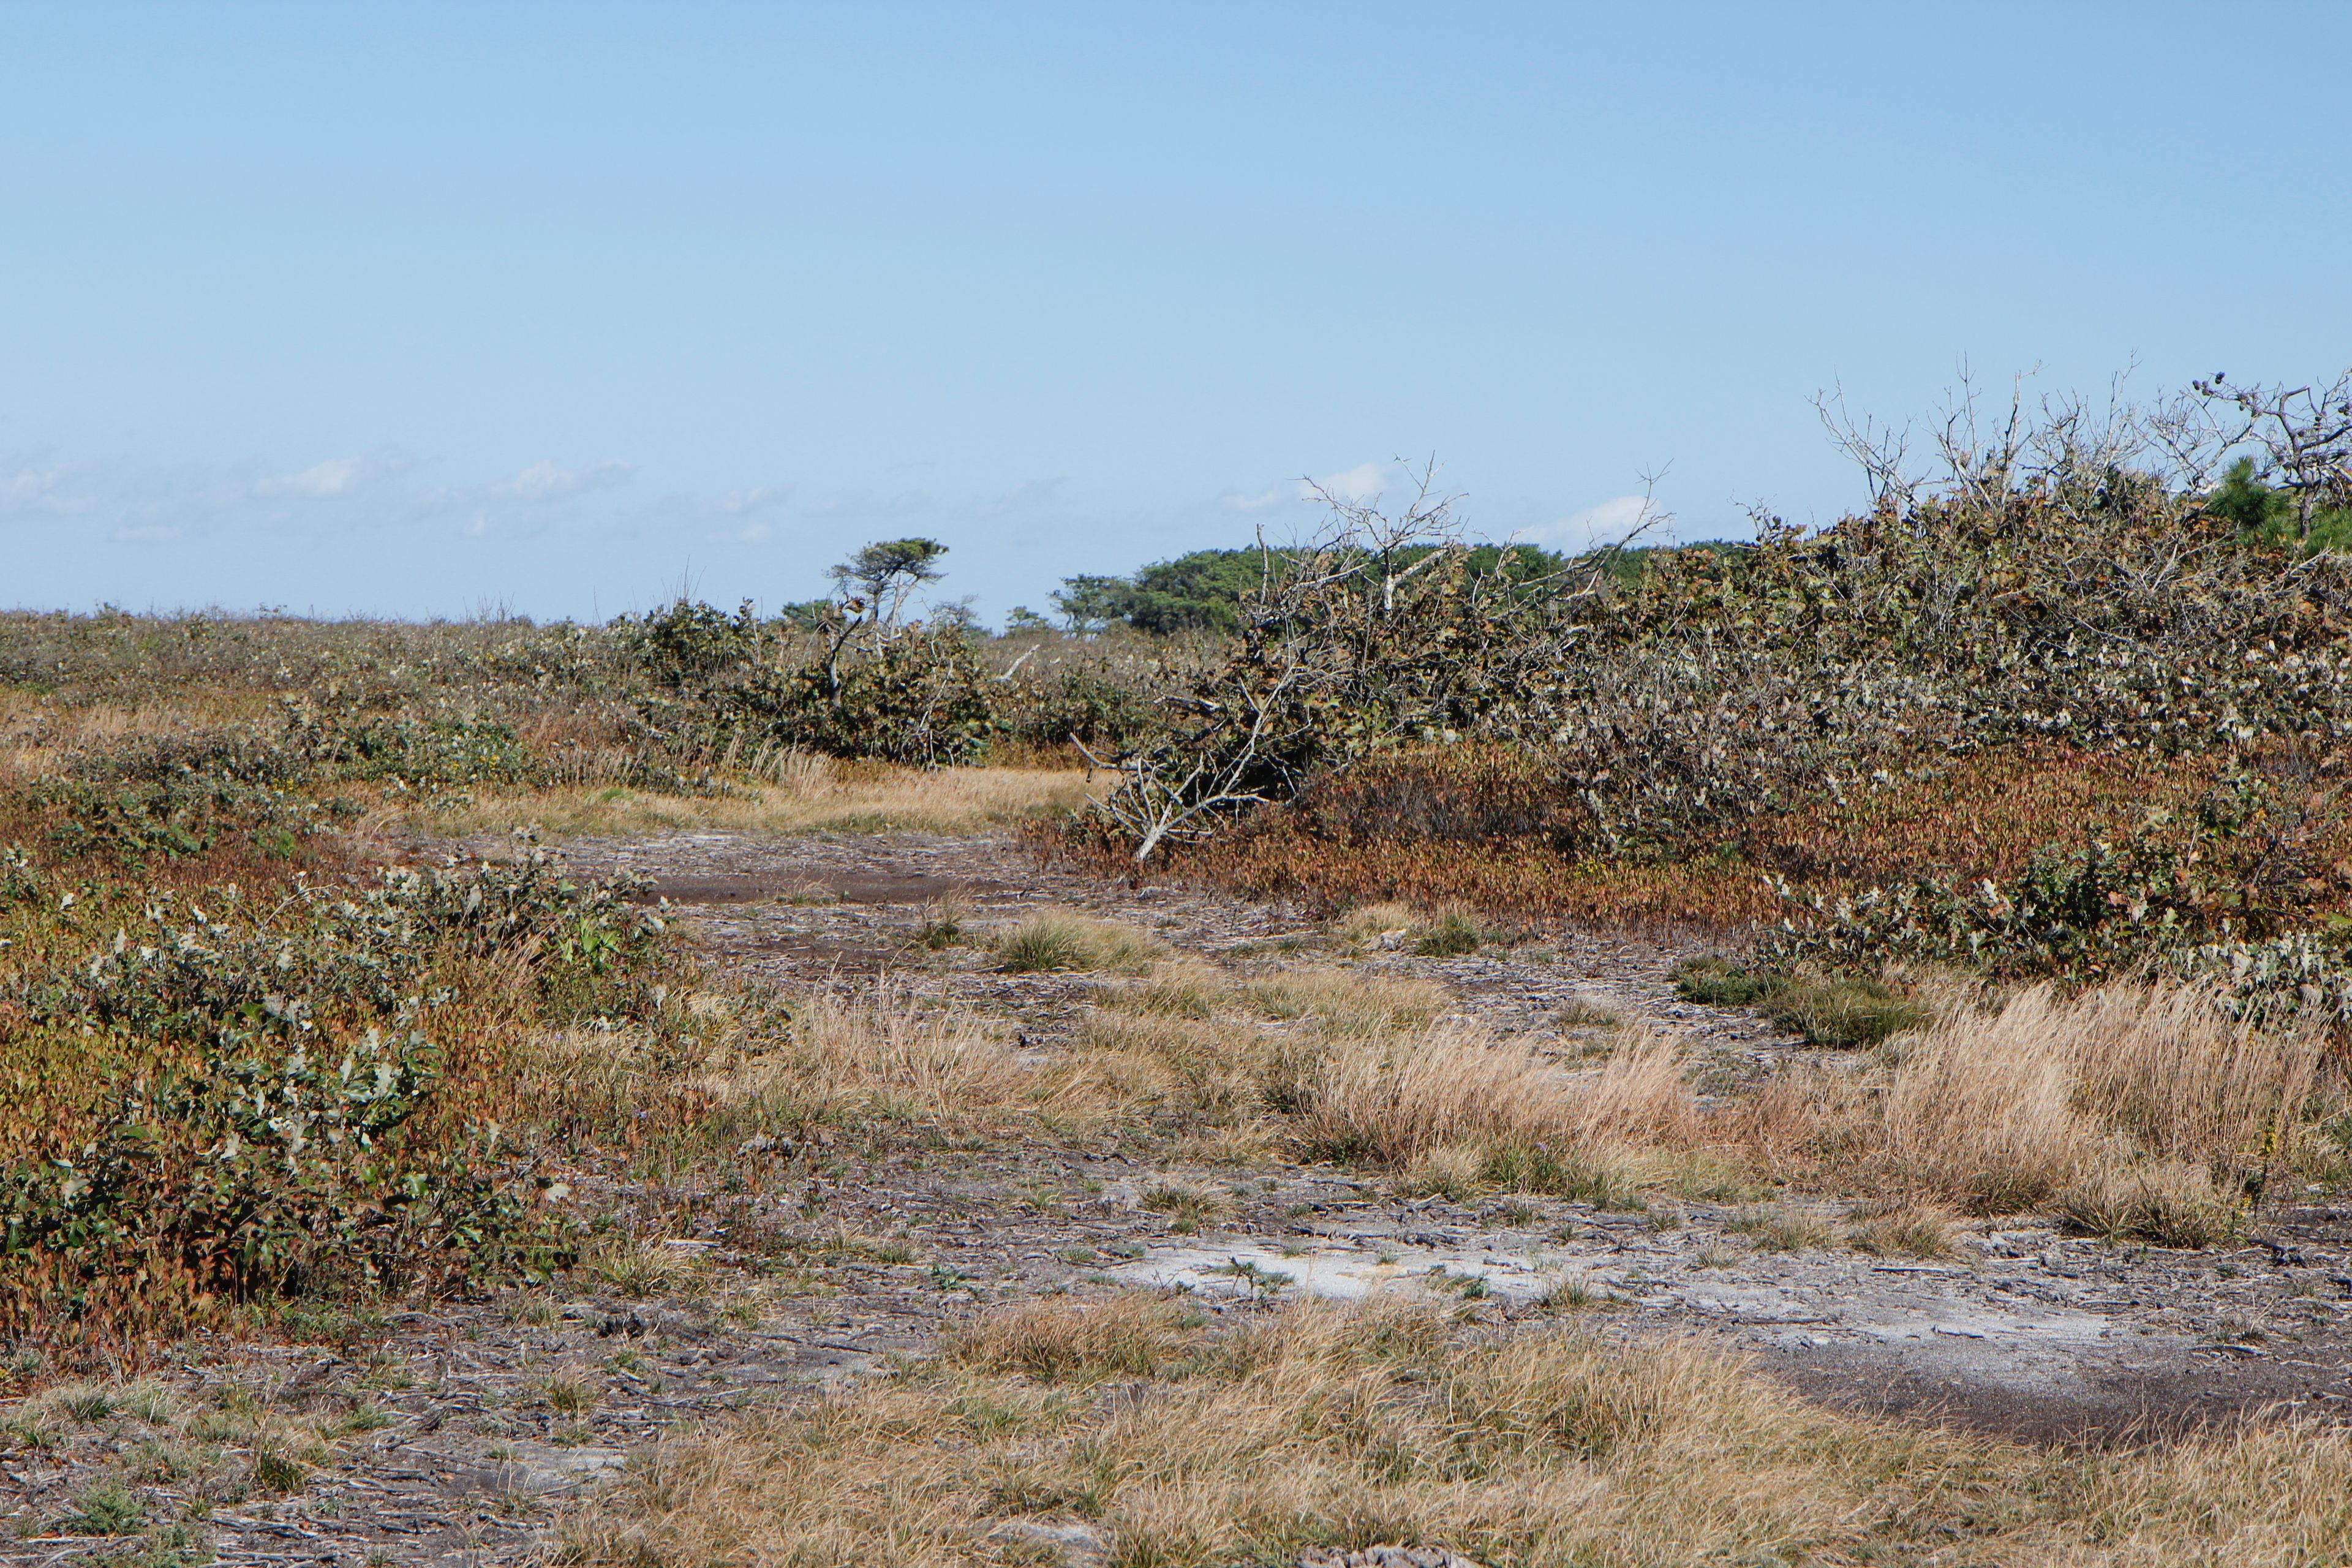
(1280, 495)
(44, 489)
(1356, 486)
(865, 504)
(743, 502)
(335, 476)
(1364, 483)
(1027, 493)
(370, 489)
(1612, 522)
(545, 481)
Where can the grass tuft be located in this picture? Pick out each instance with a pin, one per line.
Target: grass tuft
(1844, 1013)
(1055, 940)
(1126, 1335)
(1904, 1230)
(1841, 1012)
(1451, 933)
(106, 1508)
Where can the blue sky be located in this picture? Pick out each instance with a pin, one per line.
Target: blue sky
(420, 309)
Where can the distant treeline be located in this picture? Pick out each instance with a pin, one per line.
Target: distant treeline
(1202, 591)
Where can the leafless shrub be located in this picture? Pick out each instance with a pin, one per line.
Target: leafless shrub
(1372, 631)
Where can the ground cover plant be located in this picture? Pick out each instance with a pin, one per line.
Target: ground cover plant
(243, 1066)
(717, 1142)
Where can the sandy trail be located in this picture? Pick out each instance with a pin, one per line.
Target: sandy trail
(2037, 1335)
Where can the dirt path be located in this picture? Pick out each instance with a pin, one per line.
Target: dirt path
(813, 1264)
(2037, 1335)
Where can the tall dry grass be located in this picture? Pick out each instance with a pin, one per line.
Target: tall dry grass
(1366, 1070)
(1326, 1427)
(2047, 1097)
(1395, 1101)
(795, 792)
(756, 1063)
(2128, 1109)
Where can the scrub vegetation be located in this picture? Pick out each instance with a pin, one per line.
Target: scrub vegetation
(2007, 807)
(2076, 707)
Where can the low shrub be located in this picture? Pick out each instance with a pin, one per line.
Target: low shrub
(2213, 898)
(216, 1102)
(915, 692)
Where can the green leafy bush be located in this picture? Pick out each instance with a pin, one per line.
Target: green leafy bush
(248, 1104)
(441, 750)
(687, 642)
(2225, 898)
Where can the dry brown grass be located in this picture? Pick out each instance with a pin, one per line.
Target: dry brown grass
(1345, 1002)
(1366, 924)
(2127, 1110)
(1395, 1101)
(844, 1056)
(847, 1055)
(2007, 1108)
(1904, 1229)
(1124, 1336)
(1365, 1069)
(799, 794)
(1327, 1427)
(1319, 1063)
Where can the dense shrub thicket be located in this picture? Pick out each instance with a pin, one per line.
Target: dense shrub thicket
(244, 1061)
(926, 693)
(219, 1102)
(658, 699)
(2079, 613)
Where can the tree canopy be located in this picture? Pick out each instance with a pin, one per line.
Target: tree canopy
(1202, 591)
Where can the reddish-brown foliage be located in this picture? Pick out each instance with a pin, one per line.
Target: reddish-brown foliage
(1486, 827)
